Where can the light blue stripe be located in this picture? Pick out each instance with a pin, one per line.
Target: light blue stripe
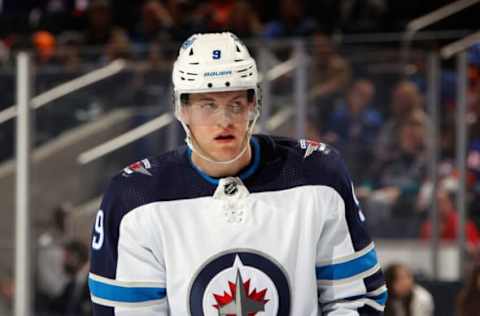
(347, 269)
(244, 175)
(117, 293)
(381, 299)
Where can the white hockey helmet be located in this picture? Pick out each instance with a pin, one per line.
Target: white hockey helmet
(214, 62)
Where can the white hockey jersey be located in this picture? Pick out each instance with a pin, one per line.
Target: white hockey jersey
(284, 237)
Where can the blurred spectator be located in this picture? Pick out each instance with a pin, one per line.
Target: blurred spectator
(155, 24)
(57, 16)
(291, 22)
(398, 180)
(51, 278)
(406, 170)
(468, 301)
(118, 45)
(353, 127)
(330, 78)
(405, 298)
(474, 113)
(405, 98)
(243, 21)
(216, 13)
(155, 59)
(99, 23)
(186, 20)
(449, 218)
(75, 299)
(7, 291)
(69, 51)
(360, 16)
(332, 71)
(45, 47)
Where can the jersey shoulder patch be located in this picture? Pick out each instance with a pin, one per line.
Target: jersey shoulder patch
(141, 167)
(311, 146)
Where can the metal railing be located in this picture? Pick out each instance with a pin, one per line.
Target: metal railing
(437, 15)
(298, 63)
(66, 88)
(295, 67)
(420, 23)
(23, 266)
(459, 49)
(434, 73)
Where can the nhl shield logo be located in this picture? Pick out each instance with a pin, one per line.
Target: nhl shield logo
(240, 283)
(231, 188)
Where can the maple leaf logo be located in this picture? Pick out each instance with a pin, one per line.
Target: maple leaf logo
(240, 301)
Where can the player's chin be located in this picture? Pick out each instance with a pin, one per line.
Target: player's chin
(223, 152)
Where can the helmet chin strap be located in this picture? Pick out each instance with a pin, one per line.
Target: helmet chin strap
(189, 140)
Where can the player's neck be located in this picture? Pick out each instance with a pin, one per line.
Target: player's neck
(217, 170)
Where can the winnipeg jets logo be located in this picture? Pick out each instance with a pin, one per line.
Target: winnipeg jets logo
(241, 290)
(240, 301)
(243, 283)
(138, 167)
(311, 146)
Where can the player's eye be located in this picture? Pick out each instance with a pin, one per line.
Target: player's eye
(237, 107)
(208, 107)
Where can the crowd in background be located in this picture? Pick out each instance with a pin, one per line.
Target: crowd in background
(374, 117)
(381, 126)
(56, 28)
(367, 118)
(60, 270)
(99, 22)
(114, 27)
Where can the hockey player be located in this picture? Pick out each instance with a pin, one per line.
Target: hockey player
(232, 224)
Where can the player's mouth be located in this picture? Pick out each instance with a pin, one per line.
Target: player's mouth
(224, 138)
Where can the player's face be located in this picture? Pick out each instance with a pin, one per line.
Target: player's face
(219, 122)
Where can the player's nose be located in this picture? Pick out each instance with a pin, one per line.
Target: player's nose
(225, 118)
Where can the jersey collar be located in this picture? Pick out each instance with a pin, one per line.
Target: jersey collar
(244, 174)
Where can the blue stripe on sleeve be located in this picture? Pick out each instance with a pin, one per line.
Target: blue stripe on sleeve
(347, 269)
(125, 294)
(381, 299)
